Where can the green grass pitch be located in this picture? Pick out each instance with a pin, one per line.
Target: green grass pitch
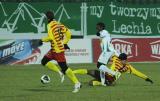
(22, 83)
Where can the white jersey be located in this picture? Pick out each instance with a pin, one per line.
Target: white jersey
(106, 47)
(105, 40)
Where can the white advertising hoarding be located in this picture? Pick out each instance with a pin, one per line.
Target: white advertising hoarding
(80, 51)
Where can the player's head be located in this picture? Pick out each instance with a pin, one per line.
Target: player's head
(50, 16)
(123, 56)
(100, 26)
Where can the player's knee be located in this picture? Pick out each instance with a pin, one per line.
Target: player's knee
(63, 66)
(44, 61)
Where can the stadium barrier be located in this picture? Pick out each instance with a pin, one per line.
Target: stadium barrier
(138, 49)
(28, 51)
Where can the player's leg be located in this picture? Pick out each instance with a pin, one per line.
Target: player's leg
(95, 74)
(46, 61)
(95, 82)
(71, 75)
(60, 58)
(102, 61)
(80, 71)
(101, 65)
(104, 69)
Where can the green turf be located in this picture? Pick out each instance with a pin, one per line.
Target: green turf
(22, 83)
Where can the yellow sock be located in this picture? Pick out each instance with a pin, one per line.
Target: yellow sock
(71, 76)
(80, 71)
(52, 67)
(96, 83)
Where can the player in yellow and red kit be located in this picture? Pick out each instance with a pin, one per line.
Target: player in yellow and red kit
(58, 35)
(119, 64)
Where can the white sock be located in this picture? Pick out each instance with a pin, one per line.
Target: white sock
(60, 73)
(106, 69)
(102, 75)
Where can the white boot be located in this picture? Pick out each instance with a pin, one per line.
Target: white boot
(62, 78)
(77, 87)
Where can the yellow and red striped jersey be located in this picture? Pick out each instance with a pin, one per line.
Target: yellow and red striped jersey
(58, 35)
(117, 65)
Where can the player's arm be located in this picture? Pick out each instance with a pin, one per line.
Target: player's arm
(67, 36)
(111, 48)
(46, 39)
(113, 67)
(49, 37)
(139, 74)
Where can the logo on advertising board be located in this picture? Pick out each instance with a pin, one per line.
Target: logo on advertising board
(123, 46)
(19, 51)
(155, 49)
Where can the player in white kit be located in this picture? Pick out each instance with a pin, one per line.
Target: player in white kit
(107, 52)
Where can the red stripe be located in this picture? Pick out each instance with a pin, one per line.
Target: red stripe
(58, 40)
(56, 34)
(54, 30)
(60, 46)
(118, 66)
(57, 37)
(54, 25)
(59, 43)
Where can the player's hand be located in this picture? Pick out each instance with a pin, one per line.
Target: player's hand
(66, 46)
(35, 43)
(149, 80)
(98, 34)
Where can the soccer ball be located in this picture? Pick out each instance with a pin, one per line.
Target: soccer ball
(45, 79)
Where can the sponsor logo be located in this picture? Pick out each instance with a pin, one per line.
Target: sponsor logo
(155, 49)
(12, 49)
(122, 46)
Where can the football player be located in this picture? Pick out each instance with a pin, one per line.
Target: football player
(107, 52)
(119, 64)
(58, 35)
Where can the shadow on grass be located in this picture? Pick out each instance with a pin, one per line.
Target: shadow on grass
(47, 90)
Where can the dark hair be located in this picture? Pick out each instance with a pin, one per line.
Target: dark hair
(123, 56)
(50, 15)
(101, 24)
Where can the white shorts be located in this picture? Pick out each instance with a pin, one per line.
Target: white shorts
(104, 58)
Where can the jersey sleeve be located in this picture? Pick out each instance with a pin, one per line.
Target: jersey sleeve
(137, 73)
(113, 65)
(104, 33)
(111, 48)
(50, 36)
(67, 36)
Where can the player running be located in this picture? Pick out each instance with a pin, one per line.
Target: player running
(107, 52)
(58, 35)
(119, 64)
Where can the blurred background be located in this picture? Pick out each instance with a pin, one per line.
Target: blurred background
(134, 26)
